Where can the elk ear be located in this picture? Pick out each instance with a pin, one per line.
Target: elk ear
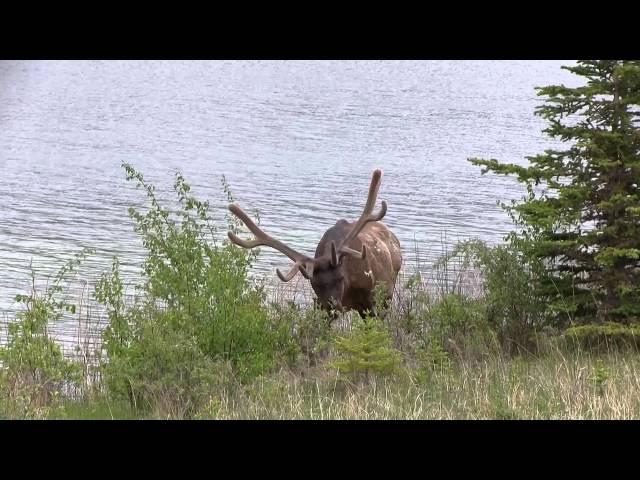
(334, 255)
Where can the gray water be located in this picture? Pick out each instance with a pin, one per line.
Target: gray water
(297, 140)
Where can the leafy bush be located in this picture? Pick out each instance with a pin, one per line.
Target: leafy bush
(34, 371)
(196, 307)
(413, 300)
(432, 359)
(458, 325)
(511, 306)
(310, 329)
(164, 371)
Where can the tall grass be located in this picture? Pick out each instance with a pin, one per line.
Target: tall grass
(555, 386)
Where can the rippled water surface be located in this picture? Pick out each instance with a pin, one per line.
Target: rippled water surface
(296, 139)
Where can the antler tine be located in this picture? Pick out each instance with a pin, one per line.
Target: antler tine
(263, 239)
(366, 217)
(298, 266)
(354, 253)
(373, 191)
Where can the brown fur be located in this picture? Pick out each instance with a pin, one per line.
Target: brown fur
(382, 264)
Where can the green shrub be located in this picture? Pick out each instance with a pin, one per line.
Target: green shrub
(600, 377)
(604, 337)
(366, 351)
(196, 294)
(310, 330)
(511, 307)
(413, 301)
(458, 325)
(164, 371)
(432, 360)
(34, 371)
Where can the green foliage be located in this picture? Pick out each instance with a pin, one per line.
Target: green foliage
(580, 215)
(432, 360)
(34, 371)
(502, 312)
(366, 351)
(196, 307)
(600, 376)
(116, 337)
(310, 329)
(164, 371)
(457, 324)
(513, 310)
(97, 408)
(413, 300)
(604, 337)
(405, 318)
(380, 298)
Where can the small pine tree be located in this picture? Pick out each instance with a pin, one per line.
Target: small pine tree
(584, 226)
(366, 351)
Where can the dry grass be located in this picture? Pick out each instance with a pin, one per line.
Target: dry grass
(553, 387)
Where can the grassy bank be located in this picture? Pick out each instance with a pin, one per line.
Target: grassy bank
(201, 340)
(441, 363)
(555, 386)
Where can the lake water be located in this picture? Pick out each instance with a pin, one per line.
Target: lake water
(297, 140)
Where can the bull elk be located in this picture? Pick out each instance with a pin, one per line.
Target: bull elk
(349, 260)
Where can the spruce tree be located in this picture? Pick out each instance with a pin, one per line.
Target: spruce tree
(581, 216)
(367, 350)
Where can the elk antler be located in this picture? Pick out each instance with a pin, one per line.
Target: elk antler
(366, 217)
(302, 262)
